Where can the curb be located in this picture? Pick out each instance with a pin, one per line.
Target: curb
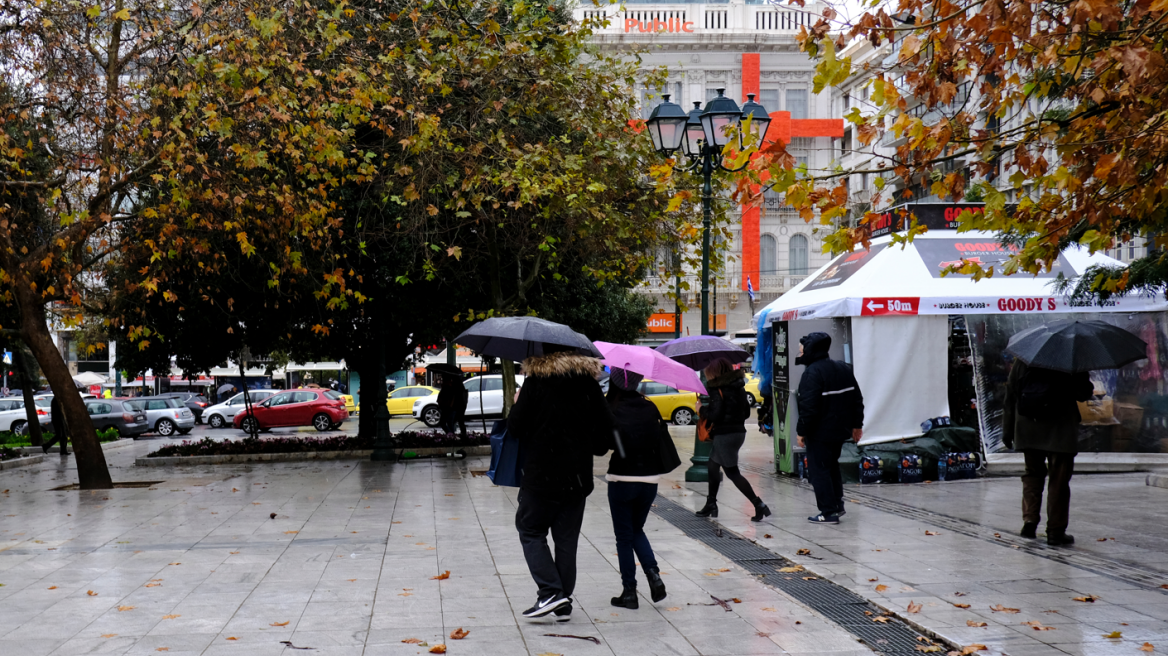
(1157, 479)
(105, 446)
(21, 462)
(307, 456)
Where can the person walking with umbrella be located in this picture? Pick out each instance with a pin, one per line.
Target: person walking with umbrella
(1041, 412)
(452, 400)
(561, 421)
(726, 413)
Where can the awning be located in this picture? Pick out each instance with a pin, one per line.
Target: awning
(315, 366)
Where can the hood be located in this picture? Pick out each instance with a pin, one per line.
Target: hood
(736, 377)
(562, 364)
(815, 347)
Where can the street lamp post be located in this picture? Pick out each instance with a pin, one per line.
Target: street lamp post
(702, 135)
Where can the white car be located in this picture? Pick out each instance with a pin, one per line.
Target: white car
(222, 414)
(486, 399)
(14, 418)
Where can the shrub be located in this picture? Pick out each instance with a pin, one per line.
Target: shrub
(248, 446)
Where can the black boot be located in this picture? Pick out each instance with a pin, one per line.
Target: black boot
(1060, 539)
(709, 510)
(656, 585)
(760, 510)
(1029, 530)
(627, 599)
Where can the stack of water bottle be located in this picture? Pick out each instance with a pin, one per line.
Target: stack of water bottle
(936, 422)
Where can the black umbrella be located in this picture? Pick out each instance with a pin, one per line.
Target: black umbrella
(698, 351)
(1074, 346)
(444, 369)
(517, 338)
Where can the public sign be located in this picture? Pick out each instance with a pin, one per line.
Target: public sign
(934, 216)
(878, 307)
(655, 25)
(8, 357)
(662, 323)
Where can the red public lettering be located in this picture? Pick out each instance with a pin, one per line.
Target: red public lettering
(1024, 304)
(1050, 304)
(687, 26)
(657, 25)
(630, 23)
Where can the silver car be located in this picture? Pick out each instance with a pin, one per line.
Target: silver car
(222, 414)
(166, 416)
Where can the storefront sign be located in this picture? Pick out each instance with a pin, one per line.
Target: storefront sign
(934, 216)
(718, 322)
(940, 254)
(668, 25)
(662, 323)
(878, 307)
(844, 267)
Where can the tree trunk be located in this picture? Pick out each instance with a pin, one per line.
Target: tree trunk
(92, 472)
(30, 409)
(368, 410)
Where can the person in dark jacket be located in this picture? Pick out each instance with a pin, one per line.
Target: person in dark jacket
(561, 421)
(452, 400)
(831, 412)
(60, 429)
(633, 474)
(727, 412)
(1041, 419)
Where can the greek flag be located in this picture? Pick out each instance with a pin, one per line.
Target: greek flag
(749, 289)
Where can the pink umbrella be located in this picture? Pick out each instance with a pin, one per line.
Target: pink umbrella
(651, 364)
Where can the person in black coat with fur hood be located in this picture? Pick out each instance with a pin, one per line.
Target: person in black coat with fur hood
(562, 421)
(727, 410)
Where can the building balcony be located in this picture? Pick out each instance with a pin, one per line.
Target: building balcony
(683, 19)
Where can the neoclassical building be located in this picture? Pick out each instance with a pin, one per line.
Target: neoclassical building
(743, 48)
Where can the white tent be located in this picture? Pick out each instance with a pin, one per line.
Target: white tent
(899, 304)
(88, 378)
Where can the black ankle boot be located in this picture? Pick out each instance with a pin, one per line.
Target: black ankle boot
(1029, 530)
(656, 585)
(709, 510)
(627, 599)
(760, 511)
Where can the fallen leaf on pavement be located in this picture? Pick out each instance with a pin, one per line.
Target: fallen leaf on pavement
(53, 587)
(459, 633)
(882, 619)
(233, 638)
(675, 609)
(438, 649)
(974, 648)
(908, 588)
(234, 552)
(234, 489)
(808, 578)
(997, 535)
(767, 535)
(1037, 626)
(873, 580)
(803, 552)
(788, 570)
(125, 608)
(405, 594)
(279, 623)
(411, 641)
(1147, 646)
(171, 617)
(91, 593)
(913, 607)
(736, 600)
(291, 532)
(441, 577)
(724, 569)
(1114, 635)
(928, 648)
(1165, 586)
(770, 610)
(931, 533)
(958, 594)
(109, 635)
(273, 515)
(975, 624)
(1002, 609)
(881, 588)
(961, 605)
(162, 649)
(174, 563)
(1088, 599)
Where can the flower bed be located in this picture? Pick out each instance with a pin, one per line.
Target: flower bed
(253, 446)
(9, 454)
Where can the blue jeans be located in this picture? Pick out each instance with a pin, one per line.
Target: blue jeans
(630, 504)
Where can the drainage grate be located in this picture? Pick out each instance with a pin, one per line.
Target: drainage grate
(1146, 577)
(838, 604)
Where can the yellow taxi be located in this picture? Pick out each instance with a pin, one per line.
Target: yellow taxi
(752, 393)
(401, 400)
(674, 405)
(350, 405)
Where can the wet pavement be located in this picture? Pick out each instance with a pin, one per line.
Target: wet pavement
(196, 565)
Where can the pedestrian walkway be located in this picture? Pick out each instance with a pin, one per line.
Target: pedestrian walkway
(196, 564)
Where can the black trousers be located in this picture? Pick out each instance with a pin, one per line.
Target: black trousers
(537, 516)
(630, 504)
(1054, 470)
(823, 470)
(448, 423)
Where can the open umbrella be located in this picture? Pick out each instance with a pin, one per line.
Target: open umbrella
(88, 378)
(698, 351)
(517, 338)
(444, 369)
(651, 364)
(223, 389)
(1075, 346)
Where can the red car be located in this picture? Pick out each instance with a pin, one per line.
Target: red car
(320, 408)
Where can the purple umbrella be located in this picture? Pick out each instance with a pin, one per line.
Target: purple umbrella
(650, 364)
(698, 351)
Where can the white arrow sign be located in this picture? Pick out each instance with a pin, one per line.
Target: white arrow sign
(873, 306)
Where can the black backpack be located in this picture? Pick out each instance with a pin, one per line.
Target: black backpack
(1042, 394)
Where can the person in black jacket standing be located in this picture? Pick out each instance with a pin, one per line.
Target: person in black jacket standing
(727, 411)
(561, 421)
(831, 412)
(633, 474)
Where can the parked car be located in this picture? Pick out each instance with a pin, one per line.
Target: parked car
(222, 414)
(674, 405)
(165, 416)
(350, 404)
(401, 401)
(14, 418)
(128, 419)
(196, 402)
(322, 409)
(752, 391)
(486, 400)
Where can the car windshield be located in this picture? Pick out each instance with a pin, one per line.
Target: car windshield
(335, 396)
(45, 402)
